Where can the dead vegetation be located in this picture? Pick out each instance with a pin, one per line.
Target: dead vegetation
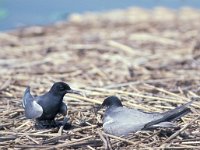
(148, 58)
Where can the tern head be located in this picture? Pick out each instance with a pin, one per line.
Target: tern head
(112, 101)
(61, 88)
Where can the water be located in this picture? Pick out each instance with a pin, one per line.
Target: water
(18, 13)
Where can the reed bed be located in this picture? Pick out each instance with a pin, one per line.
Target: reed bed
(149, 58)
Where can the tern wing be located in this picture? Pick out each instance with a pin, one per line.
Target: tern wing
(63, 109)
(171, 115)
(122, 120)
(32, 108)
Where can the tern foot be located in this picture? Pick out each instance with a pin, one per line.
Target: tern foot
(45, 124)
(65, 123)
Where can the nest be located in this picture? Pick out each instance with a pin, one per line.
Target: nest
(150, 59)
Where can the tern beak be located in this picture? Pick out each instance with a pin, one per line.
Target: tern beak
(75, 92)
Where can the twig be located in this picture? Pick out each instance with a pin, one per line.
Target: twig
(123, 47)
(54, 139)
(67, 144)
(85, 99)
(118, 138)
(35, 141)
(103, 139)
(167, 92)
(30, 134)
(90, 147)
(179, 131)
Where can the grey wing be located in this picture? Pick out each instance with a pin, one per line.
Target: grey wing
(63, 109)
(136, 116)
(119, 128)
(122, 121)
(31, 107)
(149, 120)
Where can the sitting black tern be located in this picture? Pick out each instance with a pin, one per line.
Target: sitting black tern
(44, 108)
(121, 121)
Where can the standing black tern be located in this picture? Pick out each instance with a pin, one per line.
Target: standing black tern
(44, 108)
(119, 120)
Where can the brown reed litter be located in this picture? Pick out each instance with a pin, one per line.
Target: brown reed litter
(150, 58)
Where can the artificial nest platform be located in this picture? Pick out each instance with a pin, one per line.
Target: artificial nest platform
(149, 58)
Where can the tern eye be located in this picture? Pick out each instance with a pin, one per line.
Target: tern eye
(62, 88)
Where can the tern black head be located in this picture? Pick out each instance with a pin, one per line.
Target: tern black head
(62, 88)
(112, 101)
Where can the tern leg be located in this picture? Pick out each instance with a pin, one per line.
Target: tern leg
(63, 111)
(66, 123)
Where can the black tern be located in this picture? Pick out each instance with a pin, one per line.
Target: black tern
(121, 121)
(44, 108)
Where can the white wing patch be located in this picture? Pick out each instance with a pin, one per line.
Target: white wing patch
(107, 120)
(33, 110)
(37, 108)
(23, 103)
